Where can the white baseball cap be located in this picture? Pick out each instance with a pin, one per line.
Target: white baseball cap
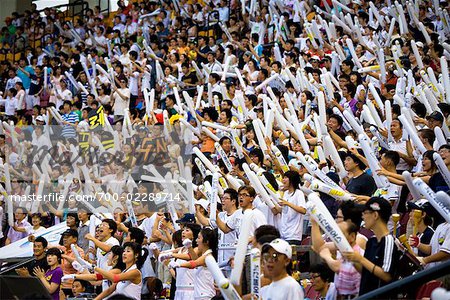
(203, 203)
(281, 246)
(40, 119)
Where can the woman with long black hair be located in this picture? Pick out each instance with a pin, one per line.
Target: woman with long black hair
(114, 261)
(129, 282)
(293, 203)
(185, 277)
(203, 280)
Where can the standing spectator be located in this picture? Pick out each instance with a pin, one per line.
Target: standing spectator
(378, 265)
(276, 258)
(70, 120)
(104, 243)
(19, 230)
(291, 227)
(69, 238)
(120, 99)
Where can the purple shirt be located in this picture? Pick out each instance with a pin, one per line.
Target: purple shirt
(13, 235)
(352, 103)
(55, 276)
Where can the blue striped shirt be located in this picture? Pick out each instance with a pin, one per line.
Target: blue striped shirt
(69, 131)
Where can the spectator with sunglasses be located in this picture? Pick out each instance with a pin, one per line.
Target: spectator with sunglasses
(276, 257)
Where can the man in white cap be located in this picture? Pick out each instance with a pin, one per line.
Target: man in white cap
(276, 261)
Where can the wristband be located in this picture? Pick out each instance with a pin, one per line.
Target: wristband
(373, 269)
(99, 276)
(116, 278)
(193, 264)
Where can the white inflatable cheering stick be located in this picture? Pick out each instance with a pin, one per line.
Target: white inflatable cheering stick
(226, 288)
(92, 232)
(131, 213)
(213, 198)
(321, 215)
(438, 200)
(241, 248)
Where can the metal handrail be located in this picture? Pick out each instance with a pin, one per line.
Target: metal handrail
(20, 263)
(410, 283)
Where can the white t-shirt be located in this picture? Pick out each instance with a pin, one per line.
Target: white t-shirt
(227, 240)
(286, 289)
(102, 256)
(65, 95)
(134, 77)
(272, 219)
(235, 220)
(10, 105)
(121, 104)
(291, 225)
(440, 241)
(102, 259)
(400, 146)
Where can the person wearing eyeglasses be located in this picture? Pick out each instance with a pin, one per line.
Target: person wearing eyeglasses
(322, 282)
(246, 196)
(104, 244)
(19, 230)
(378, 265)
(276, 260)
(120, 97)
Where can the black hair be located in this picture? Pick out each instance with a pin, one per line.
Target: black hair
(349, 62)
(137, 235)
(272, 180)
(352, 212)
(212, 113)
(228, 113)
(210, 237)
(294, 178)
(428, 134)
(56, 252)
(419, 108)
(429, 154)
(385, 209)
(177, 240)
(338, 118)
(324, 272)
(41, 240)
(266, 233)
(195, 228)
(233, 195)
(117, 250)
(83, 283)
(141, 253)
(393, 156)
(74, 215)
(112, 225)
(259, 153)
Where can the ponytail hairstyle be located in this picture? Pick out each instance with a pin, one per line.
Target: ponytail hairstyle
(118, 251)
(196, 228)
(210, 237)
(137, 249)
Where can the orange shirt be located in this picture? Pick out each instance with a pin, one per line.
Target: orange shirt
(66, 266)
(208, 143)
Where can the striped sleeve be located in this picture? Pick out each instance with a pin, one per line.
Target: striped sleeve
(388, 253)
